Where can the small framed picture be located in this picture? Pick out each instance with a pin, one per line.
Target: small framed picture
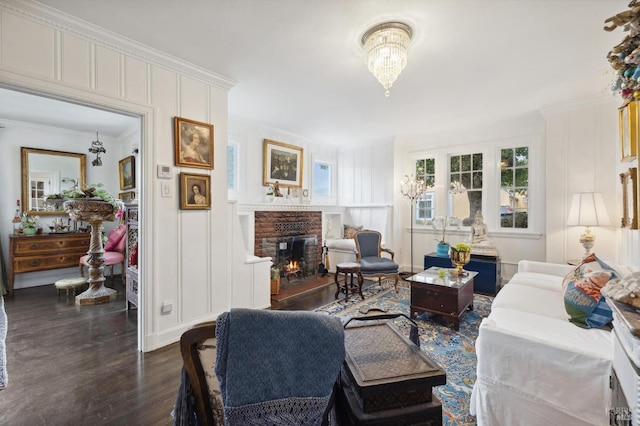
(282, 164)
(128, 172)
(193, 143)
(629, 134)
(127, 197)
(195, 191)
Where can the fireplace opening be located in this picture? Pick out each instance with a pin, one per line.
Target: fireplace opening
(296, 257)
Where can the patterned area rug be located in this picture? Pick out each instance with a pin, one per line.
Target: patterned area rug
(3, 352)
(453, 350)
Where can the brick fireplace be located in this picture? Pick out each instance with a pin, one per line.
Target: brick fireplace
(293, 239)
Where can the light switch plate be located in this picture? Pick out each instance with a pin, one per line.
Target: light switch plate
(165, 189)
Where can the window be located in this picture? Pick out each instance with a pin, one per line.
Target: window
(424, 209)
(321, 179)
(465, 185)
(425, 206)
(514, 187)
(231, 166)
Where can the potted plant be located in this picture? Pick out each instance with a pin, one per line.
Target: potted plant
(29, 224)
(442, 249)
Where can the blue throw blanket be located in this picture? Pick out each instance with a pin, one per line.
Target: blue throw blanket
(277, 367)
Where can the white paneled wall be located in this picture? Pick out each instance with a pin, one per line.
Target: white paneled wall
(184, 254)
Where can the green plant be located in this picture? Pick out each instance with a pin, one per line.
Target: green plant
(94, 190)
(461, 247)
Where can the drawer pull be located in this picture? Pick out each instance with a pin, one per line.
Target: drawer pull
(34, 263)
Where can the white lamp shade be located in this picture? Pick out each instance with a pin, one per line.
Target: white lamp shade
(588, 209)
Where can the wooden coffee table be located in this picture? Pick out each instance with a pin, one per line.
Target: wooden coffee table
(448, 296)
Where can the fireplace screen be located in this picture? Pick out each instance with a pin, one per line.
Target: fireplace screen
(296, 257)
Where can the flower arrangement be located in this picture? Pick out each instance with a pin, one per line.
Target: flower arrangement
(29, 221)
(95, 190)
(461, 248)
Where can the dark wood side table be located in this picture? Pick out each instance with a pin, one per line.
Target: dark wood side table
(446, 296)
(349, 269)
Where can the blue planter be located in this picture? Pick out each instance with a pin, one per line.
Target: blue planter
(443, 250)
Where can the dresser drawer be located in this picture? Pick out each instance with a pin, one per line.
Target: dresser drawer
(33, 245)
(42, 263)
(440, 301)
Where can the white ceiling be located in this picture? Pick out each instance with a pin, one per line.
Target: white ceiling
(299, 66)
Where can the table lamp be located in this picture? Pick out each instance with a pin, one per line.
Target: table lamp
(588, 209)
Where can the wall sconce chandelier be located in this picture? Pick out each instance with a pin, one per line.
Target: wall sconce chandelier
(385, 47)
(97, 148)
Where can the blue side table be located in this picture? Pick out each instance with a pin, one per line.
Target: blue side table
(488, 268)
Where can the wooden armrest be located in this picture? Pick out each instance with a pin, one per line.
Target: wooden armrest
(391, 252)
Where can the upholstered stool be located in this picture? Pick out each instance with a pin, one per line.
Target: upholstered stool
(349, 269)
(70, 283)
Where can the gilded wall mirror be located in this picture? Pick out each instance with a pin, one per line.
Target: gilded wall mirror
(46, 172)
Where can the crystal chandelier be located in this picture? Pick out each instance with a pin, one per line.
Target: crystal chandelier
(97, 148)
(385, 47)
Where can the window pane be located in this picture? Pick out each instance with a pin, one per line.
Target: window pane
(514, 180)
(477, 180)
(231, 166)
(321, 179)
(522, 156)
(431, 166)
(420, 168)
(477, 161)
(455, 177)
(506, 178)
(465, 161)
(455, 164)
(466, 180)
(430, 181)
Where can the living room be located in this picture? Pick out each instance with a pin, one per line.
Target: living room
(197, 260)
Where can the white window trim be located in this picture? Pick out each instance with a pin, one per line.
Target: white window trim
(332, 198)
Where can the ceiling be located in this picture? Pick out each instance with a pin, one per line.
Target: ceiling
(299, 67)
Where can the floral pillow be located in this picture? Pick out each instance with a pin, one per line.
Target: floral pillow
(350, 230)
(586, 307)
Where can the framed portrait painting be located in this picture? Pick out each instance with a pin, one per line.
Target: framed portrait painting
(127, 167)
(629, 134)
(282, 163)
(193, 143)
(195, 191)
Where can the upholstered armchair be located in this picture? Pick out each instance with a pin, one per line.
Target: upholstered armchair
(369, 254)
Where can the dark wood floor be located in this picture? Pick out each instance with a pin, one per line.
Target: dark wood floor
(79, 365)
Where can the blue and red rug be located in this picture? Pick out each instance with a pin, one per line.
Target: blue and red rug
(453, 350)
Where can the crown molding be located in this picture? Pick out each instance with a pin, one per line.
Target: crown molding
(66, 23)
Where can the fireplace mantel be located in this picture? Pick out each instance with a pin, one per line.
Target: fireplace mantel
(244, 208)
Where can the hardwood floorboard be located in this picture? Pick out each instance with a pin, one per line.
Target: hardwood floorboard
(77, 365)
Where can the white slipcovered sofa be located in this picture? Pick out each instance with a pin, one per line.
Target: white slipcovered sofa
(534, 366)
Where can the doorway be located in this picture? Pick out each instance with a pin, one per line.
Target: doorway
(37, 120)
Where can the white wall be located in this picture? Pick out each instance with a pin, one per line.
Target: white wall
(249, 137)
(184, 257)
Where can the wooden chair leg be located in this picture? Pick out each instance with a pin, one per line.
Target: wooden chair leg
(395, 284)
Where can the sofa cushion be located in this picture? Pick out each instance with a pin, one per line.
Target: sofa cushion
(585, 305)
(531, 299)
(350, 230)
(538, 280)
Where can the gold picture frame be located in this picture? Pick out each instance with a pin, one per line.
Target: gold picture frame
(127, 197)
(127, 167)
(193, 143)
(195, 191)
(629, 180)
(629, 135)
(282, 163)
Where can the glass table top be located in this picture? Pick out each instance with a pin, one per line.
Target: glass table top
(446, 278)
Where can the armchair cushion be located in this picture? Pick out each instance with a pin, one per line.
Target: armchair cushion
(115, 236)
(377, 265)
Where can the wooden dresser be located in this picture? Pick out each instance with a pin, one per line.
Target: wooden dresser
(44, 252)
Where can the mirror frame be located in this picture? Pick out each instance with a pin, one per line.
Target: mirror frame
(25, 176)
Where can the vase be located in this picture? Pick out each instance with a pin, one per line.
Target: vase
(29, 231)
(459, 259)
(442, 250)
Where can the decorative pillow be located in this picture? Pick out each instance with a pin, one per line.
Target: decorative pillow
(586, 307)
(115, 236)
(625, 290)
(350, 230)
